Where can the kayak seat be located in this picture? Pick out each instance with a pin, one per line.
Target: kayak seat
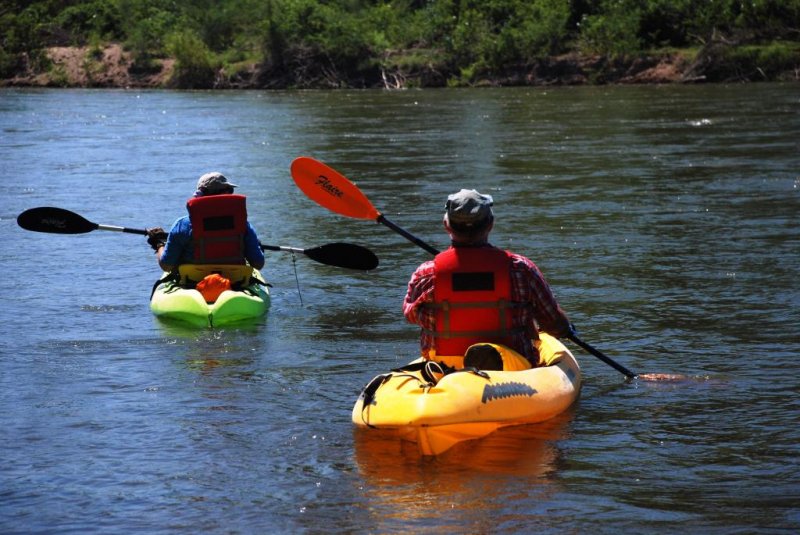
(483, 357)
(238, 274)
(495, 357)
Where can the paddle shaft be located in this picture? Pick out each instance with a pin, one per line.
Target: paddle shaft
(355, 257)
(311, 253)
(114, 228)
(60, 221)
(332, 190)
(363, 259)
(597, 353)
(282, 248)
(407, 235)
(574, 337)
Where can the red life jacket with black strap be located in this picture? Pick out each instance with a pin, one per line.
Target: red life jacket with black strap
(219, 224)
(472, 299)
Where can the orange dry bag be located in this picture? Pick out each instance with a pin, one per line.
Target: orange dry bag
(212, 286)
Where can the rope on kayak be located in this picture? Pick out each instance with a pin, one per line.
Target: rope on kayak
(432, 372)
(297, 280)
(368, 394)
(172, 276)
(475, 371)
(369, 391)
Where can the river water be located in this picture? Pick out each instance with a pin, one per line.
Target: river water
(665, 218)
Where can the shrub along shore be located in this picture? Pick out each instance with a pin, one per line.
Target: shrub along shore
(278, 44)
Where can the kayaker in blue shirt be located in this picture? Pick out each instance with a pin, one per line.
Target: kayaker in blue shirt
(179, 246)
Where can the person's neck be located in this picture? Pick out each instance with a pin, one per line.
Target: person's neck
(459, 243)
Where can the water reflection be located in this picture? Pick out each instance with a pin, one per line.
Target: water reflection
(402, 485)
(234, 348)
(179, 330)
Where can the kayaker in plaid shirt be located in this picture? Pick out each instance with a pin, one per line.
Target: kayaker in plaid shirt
(468, 220)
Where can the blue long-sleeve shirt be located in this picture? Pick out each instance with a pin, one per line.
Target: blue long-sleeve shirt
(180, 249)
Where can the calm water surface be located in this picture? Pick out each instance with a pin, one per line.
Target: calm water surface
(665, 218)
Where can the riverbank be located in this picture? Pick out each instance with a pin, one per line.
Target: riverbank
(114, 67)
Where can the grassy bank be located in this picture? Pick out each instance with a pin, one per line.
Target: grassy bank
(405, 43)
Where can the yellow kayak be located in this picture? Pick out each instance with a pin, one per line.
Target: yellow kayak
(438, 410)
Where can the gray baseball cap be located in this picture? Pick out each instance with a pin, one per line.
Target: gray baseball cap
(214, 182)
(468, 208)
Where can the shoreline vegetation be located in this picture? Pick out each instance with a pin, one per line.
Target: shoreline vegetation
(306, 44)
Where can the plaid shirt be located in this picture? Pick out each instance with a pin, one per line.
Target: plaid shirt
(528, 285)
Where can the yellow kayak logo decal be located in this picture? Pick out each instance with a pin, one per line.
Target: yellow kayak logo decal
(506, 390)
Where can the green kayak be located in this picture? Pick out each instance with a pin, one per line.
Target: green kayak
(176, 296)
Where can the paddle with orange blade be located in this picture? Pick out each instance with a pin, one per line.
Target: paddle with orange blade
(332, 190)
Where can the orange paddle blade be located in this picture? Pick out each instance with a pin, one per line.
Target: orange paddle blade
(331, 190)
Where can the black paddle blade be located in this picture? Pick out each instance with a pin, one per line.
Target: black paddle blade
(54, 220)
(344, 255)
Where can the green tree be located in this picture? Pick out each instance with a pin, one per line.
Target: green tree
(614, 30)
(338, 40)
(194, 63)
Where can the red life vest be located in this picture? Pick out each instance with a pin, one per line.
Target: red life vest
(472, 298)
(219, 223)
